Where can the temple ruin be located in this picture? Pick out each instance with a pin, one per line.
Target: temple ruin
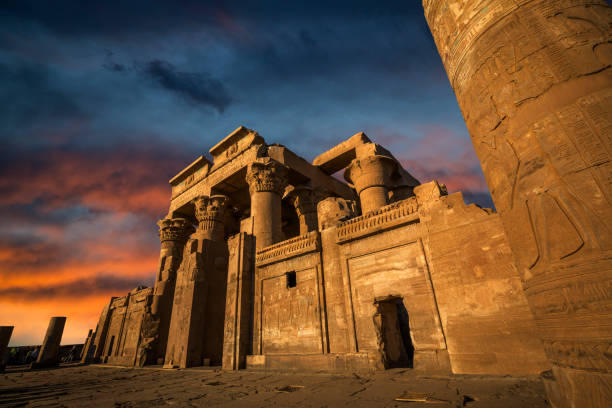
(268, 261)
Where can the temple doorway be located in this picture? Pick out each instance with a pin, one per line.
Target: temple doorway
(392, 326)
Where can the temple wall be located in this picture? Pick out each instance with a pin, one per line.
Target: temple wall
(290, 315)
(449, 264)
(129, 336)
(487, 322)
(378, 263)
(117, 312)
(290, 320)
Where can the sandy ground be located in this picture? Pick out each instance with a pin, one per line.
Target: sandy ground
(103, 386)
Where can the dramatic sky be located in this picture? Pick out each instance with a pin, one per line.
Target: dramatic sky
(103, 102)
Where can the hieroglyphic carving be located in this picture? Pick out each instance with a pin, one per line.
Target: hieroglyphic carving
(580, 354)
(532, 78)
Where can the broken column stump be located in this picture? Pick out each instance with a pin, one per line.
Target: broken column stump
(49, 351)
(5, 337)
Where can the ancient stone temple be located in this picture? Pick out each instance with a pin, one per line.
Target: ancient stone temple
(271, 262)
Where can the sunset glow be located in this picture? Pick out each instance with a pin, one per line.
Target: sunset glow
(101, 108)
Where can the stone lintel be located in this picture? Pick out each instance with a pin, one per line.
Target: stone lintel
(341, 155)
(237, 141)
(305, 172)
(189, 170)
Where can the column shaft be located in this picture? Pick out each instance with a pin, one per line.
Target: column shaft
(267, 180)
(49, 351)
(5, 337)
(534, 82)
(266, 210)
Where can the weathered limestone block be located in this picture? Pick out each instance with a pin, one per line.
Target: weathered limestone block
(534, 84)
(49, 351)
(333, 210)
(5, 337)
(267, 180)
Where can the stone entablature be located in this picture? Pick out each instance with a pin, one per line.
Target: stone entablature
(234, 144)
(290, 248)
(189, 176)
(390, 216)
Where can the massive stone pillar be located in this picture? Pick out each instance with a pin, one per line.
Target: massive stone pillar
(238, 302)
(196, 326)
(533, 79)
(371, 177)
(304, 199)
(267, 180)
(173, 234)
(49, 351)
(5, 337)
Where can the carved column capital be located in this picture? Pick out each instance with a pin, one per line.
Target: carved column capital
(267, 175)
(371, 171)
(303, 198)
(209, 211)
(174, 229)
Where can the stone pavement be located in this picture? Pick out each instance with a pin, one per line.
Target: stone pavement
(106, 386)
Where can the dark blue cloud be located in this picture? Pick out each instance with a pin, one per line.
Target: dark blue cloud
(195, 87)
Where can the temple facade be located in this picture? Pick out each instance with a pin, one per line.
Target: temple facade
(271, 262)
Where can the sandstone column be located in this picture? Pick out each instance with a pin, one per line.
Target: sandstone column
(173, 234)
(267, 180)
(534, 83)
(371, 177)
(196, 327)
(304, 199)
(49, 351)
(5, 337)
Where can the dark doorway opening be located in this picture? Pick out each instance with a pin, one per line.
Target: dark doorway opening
(392, 325)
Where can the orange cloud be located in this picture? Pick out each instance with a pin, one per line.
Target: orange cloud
(78, 228)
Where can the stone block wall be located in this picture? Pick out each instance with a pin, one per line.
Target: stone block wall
(487, 322)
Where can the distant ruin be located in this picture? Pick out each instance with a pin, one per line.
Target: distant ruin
(268, 261)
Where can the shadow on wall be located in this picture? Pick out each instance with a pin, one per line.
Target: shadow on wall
(404, 326)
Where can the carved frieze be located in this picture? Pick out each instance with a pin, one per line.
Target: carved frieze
(290, 248)
(390, 216)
